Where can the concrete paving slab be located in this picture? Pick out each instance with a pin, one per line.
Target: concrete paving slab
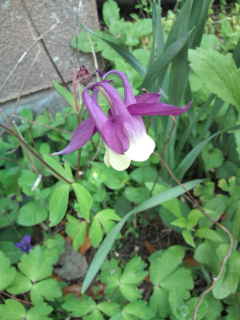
(57, 21)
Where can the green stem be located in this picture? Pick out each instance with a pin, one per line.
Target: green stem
(35, 154)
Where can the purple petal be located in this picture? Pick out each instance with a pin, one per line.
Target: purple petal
(80, 136)
(148, 98)
(25, 244)
(94, 109)
(27, 239)
(118, 107)
(154, 109)
(114, 134)
(128, 91)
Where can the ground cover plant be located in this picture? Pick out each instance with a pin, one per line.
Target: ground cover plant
(125, 205)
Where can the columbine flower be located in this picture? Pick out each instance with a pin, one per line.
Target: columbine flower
(122, 130)
(25, 244)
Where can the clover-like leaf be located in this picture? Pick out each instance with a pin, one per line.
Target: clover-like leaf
(37, 264)
(102, 223)
(20, 285)
(7, 273)
(163, 263)
(12, 310)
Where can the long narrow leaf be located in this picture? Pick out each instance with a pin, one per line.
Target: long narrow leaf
(198, 18)
(181, 25)
(158, 35)
(192, 116)
(120, 48)
(64, 92)
(107, 244)
(192, 155)
(236, 54)
(156, 72)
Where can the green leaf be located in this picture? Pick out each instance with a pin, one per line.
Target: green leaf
(76, 230)
(199, 16)
(113, 179)
(205, 254)
(158, 33)
(136, 195)
(187, 162)
(102, 223)
(7, 273)
(64, 92)
(134, 272)
(82, 42)
(110, 275)
(164, 263)
(109, 308)
(96, 233)
(144, 174)
(55, 245)
(212, 157)
(193, 218)
(110, 12)
(179, 283)
(181, 25)
(58, 203)
(210, 234)
(152, 80)
(79, 307)
(181, 279)
(233, 312)
(84, 199)
(54, 162)
(138, 309)
(216, 207)
(10, 250)
(37, 264)
(20, 285)
(187, 235)
(120, 48)
(219, 72)
(228, 284)
(132, 276)
(48, 289)
(109, 240)
(12, 310)
(180, 222)
(39, 312)
(159, 302)
(26, 181)
(31, 214)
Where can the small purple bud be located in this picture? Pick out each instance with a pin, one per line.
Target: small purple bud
(25, 244)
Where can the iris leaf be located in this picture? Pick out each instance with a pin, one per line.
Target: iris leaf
(186, 163)
(107, 244)
(120, 48)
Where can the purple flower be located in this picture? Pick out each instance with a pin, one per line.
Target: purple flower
(25, 244)
(122, 129)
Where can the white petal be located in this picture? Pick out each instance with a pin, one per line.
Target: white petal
(115, 160)
(141, 146)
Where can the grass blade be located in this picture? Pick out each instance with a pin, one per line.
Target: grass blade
(192, 155)
(181, 25)
(199, 17)
(120, 48)
(107, 244)
(157, 71)
(158, 35)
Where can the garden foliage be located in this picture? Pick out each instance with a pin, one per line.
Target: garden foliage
(76, 211)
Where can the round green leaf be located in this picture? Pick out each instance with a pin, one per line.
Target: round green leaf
(58, 203)
(7, 273)
(20, 285)
(31, 214)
